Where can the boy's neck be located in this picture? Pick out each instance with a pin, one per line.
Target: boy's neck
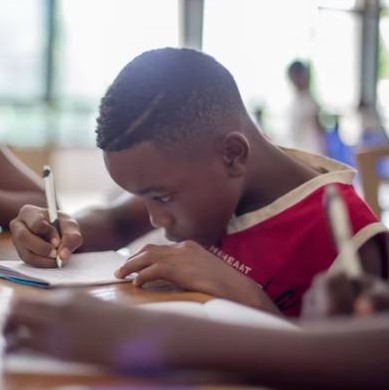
(271, 174)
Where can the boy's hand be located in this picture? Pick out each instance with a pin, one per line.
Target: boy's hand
(333, 295)
(191, 267)
(37, 241)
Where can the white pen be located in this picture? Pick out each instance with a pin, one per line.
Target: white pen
(341, 229)
(52, 203)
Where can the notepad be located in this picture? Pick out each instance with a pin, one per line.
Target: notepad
(82, 269)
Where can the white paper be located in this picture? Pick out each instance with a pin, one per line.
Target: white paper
(93, 268)
(223, 310)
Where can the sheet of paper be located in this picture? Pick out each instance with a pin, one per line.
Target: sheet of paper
(223, 310)
(234, 313)
(82, 269)
(194, 309)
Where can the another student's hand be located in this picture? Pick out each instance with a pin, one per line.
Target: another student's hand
(191, 267)
(36, 240)
(82, 328)
(333, 295)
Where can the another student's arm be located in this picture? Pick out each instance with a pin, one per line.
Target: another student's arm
(16, 176)
(12, 201)
(334, 294)
(374, 257)
(114, 226)
(19, 185)
(336, 355)
(37, 242)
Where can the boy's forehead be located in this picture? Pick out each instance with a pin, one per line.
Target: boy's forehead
(146, 166)
(145, 154)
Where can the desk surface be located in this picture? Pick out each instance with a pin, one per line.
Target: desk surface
(115, 292)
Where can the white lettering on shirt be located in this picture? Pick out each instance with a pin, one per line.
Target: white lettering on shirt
(239, 265)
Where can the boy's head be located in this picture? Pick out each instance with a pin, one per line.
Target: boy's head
(171, 127)
(299, 75)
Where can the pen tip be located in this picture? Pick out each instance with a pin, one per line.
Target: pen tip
(59, 262)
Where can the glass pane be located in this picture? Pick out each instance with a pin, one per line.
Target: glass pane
(257, 39)
(336, 59)
(100, 36)
(383, 69)
(21, 49)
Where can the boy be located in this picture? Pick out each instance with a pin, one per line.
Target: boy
(175, 133)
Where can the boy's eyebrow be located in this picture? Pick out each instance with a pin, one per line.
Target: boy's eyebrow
(148, 190)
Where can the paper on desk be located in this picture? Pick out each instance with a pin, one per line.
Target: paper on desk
(223, 310)
(93, 268)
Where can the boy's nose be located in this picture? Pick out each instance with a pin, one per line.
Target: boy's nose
(160, 219)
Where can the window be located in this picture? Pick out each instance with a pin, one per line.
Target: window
(383, 65)
(257, 39)
(21, 52)
(93, 40)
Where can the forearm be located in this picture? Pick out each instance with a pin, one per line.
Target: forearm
(99, 231)
(112, 227)
(12, 201)
(330, 356)
(17, 176)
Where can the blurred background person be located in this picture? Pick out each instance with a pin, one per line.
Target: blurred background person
(305, 129)
(373, 132)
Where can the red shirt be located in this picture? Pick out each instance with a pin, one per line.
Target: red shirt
(284, 245)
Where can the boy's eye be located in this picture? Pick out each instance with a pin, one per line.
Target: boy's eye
(163, 199)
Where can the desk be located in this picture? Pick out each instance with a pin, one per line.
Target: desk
(115, 292)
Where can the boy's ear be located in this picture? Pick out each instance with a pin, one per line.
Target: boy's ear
(236, 150)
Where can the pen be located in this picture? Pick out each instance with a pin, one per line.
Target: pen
(339, 221)
(52, 203)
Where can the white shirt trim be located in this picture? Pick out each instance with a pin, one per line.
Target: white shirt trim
(336, 173)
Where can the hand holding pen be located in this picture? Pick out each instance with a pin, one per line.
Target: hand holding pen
(348, 289)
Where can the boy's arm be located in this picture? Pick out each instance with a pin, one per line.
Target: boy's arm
(333, 355)
(192, 267)
(113, 226)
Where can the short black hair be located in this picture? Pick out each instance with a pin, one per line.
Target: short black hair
(298, 66)
(168, 95)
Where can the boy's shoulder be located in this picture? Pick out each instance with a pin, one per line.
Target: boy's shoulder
(308, 196)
